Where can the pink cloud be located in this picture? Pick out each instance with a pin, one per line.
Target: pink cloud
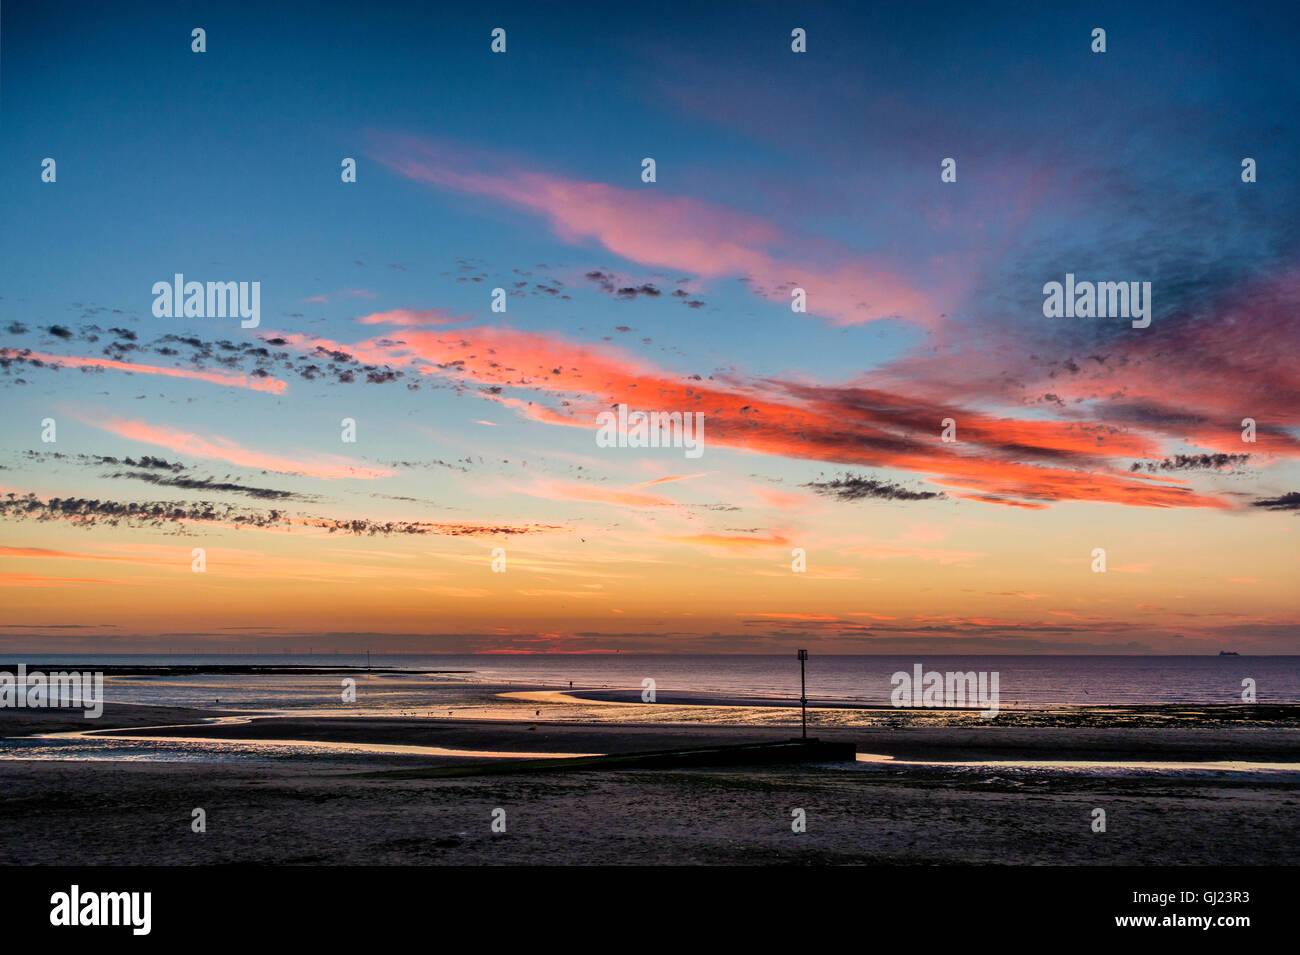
(346, 293)
(577, 491)
(228, 379)
(412, 318)
(329, 467)
(653, 229)
(670, 478)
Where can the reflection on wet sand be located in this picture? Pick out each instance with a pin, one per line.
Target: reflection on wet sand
(1086, 765)
(137, 735)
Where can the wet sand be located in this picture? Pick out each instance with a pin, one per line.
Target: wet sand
(26, 722)
(921, 742)
(328, 809)
(1176, 733)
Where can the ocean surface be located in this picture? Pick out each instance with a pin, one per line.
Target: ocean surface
(1023, 680)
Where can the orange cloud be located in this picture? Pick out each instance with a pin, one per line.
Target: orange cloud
(34, 580)
(890, 552)
(734, 542)
(43, 553)
(791, 616)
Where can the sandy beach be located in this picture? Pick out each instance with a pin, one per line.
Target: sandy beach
(920, 794)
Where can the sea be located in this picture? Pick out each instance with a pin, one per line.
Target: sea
(861, 679)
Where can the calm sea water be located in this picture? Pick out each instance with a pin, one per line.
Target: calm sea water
(859, 679)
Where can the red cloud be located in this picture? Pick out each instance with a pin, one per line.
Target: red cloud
(1189, 378)
(851, 424)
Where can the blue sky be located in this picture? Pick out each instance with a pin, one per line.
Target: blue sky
(478, 170)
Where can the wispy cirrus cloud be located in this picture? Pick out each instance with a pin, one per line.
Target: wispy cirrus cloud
(595, 493)
(413, 318)
(215, 447)
(664, 231)
(668, 479)
(735, 543)
(48, 553)
(228, 379)
(38, 580)
(325, 297)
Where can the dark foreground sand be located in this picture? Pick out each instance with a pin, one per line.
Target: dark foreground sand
(131, 813)
(938, 742)
(24, 722)
(325, 811)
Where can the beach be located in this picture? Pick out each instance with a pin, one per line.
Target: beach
(1180, 785)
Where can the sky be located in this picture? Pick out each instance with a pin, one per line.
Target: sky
(477, 510)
